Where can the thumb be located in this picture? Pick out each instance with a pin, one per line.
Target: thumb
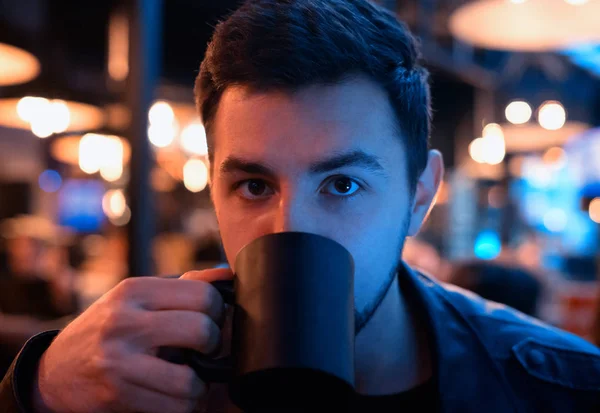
(210, 275)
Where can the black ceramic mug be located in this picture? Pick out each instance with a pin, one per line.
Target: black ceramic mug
(293, 326)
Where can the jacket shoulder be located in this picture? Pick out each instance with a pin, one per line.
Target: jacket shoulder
(533, 356)
(507, 327)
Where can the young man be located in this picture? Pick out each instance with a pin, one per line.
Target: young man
(318, 117)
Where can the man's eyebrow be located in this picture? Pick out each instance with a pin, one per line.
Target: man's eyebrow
(234, 164)
(354, 158)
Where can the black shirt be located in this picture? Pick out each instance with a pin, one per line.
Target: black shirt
(422, 398)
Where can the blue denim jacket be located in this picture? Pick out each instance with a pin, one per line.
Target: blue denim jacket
(487, 357)
(491, 358)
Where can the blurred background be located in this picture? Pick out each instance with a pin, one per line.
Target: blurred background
(103, 169)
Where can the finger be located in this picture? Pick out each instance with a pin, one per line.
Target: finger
(185, 329)
(133, 398)
(156, 294)
(211, 275)
(174, 380)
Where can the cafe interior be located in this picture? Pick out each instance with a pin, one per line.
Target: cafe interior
(104, 170)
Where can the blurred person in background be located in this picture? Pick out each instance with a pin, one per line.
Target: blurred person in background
(501, 283)
(36, 286)
(424, 257)
(103, 264)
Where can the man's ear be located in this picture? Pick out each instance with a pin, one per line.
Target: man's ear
(426, 191)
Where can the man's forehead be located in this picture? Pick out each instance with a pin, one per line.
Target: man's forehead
(247, 114)
(306, 125)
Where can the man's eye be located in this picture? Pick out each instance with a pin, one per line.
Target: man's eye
(341, 186)
(254, 189)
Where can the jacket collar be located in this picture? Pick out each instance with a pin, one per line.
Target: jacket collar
(468, 379)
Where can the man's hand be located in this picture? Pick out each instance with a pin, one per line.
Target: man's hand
(106, 359)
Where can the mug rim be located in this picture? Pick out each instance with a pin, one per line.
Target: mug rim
(293, 233)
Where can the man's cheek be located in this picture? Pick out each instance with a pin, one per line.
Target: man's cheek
(230, 239)
(236, 235)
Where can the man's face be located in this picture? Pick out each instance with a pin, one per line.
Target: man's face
(325, 160)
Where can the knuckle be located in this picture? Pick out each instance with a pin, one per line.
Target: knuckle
(107, 370)
(209, 334)
(127, 289)
(111, 321)
(199, 389)
(145, 325)
(183, 382)
(211, 300)
(187, 377)
(111, 395)
(105, 367)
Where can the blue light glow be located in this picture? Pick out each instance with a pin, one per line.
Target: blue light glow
(586, 56)
(80, 205)
(50, 181)
(487, 245)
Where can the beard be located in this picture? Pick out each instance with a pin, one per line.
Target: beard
(362, 317)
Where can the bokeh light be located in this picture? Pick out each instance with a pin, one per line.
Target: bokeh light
(50, 181)
(594, 210)
(518, 112)
(195, 175)
(193, 139)
(552, 115)
(114, 204)
(487, 245)
(555, 220)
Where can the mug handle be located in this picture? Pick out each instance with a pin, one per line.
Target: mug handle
(209, 369)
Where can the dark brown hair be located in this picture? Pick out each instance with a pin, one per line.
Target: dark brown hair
(290, 44)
